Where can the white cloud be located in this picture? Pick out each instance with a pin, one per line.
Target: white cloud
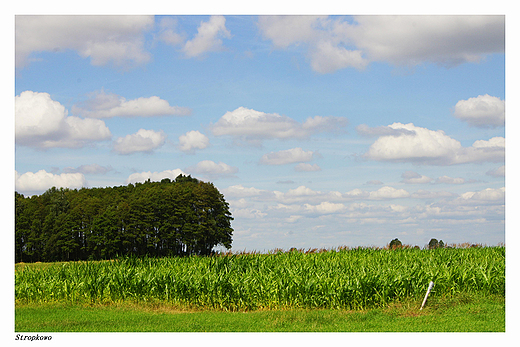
(248, 213)
(105, 39)
(335, 42)
(254, 126)
(36, 183)
(327, 57)
(193, 140)
(212, 170)
(411, 40)
(142, 141)
(365, 130)
(208, 37)
(388, 193)
(103, 105)
(494, 142)
(168, 33)
(424, 194)
(411, 177)
(288, 156)
(285, 31)
(306, 167)
(482, 111)
(325, 208)
(498, 172)
(301, 191)
(44, 123)
(486, 196)
(450, 180)
(433, 147)
(239, 191)
(154, 176)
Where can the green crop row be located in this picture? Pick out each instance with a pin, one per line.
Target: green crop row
(349, 279)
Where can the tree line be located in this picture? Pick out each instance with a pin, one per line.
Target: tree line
(168, 218)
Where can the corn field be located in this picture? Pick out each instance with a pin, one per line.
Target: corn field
(347, 279)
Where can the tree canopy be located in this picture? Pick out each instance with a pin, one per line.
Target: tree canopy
(395, 243)
(181, 217)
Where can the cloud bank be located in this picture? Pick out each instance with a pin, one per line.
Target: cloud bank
(333, 43)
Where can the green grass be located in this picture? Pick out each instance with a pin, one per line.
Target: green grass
(462, 313)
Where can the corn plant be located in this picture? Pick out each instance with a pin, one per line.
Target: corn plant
(348, 279)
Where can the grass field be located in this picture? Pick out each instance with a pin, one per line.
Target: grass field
(335, 290)
(459, 314)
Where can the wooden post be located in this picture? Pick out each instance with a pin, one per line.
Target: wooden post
(427, 293)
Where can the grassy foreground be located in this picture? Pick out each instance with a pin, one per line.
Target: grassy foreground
(462, 313)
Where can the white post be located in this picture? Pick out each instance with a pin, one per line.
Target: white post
(427, 293)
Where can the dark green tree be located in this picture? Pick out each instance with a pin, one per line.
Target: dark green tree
(181, 217)
(395, 243)
(433, 244)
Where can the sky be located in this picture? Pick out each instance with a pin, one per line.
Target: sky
(320, 131)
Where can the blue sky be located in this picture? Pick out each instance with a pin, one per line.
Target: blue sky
(319, 131)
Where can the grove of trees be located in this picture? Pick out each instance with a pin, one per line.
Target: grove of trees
(181, 217)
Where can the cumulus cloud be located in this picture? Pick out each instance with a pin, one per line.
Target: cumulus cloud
(433, 147)
(325, 208)
(327, 57)
(411, 177)
(209, 37)
(142, 141)
(239, 191)
(104, 39)
(212, 170)
(285, 31)
(498, 172)
(450, 180)
(36, 183)
(108, 105)
(388, 193)
(41, 122)
(288, 156)
(425, 194)
(486, 196)
(326, 51)
(167, 32)
(306, 167)
(367, 131)
(254, 126)
(333, 43)
(411, 40)
(154, 176)
(482, 111)
(192, 141)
